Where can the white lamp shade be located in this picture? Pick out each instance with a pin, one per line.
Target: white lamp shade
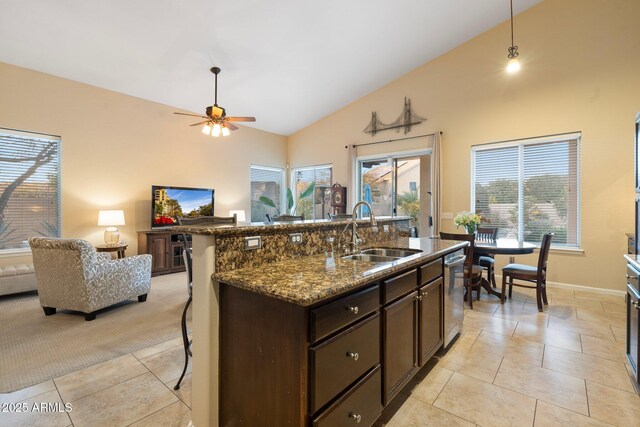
(110, 218)
(239, 213)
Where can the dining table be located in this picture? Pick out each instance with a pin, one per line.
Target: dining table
(502, 246)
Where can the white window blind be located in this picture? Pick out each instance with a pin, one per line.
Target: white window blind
(266, 183)
(529, 188)
(29, 188)
(313, 203)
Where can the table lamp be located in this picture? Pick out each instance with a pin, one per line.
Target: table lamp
(110, 219)
(239, 213)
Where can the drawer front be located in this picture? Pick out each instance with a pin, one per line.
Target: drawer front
(360, 406)
(333, 316)
(338, 362)
(400, 285)
(430, 271)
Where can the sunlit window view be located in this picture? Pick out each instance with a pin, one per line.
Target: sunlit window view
(529, 189)
(29, 188)
(312, 191)
(397, 186)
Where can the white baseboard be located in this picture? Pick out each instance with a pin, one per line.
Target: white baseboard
(574, 287)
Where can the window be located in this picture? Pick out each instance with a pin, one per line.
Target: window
(311, 189)
(266, 192)
(29, 188)
(529, 188)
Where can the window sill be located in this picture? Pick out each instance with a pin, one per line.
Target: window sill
(572, 251)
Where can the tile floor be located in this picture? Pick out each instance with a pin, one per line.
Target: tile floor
(511, 366)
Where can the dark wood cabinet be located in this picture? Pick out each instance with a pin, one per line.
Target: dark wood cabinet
(399, 340)
(165, 249)
(337, 362)
(430, 320)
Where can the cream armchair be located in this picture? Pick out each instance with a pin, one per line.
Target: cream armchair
(71, 275)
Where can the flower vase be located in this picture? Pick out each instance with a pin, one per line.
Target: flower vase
(471, 228)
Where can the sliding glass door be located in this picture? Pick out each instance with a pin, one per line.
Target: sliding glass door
(397, 185)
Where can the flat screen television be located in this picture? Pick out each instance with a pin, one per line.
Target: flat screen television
(169, 202)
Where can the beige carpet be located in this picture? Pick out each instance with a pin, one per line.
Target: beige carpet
(35, 348)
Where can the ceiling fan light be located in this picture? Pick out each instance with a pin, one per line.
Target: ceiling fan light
(206, 129)
(513, 66)
(216, 130)
(225, 131)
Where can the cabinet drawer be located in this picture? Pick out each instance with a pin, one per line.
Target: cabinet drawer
(333, 316)
(360, 406)
(430, 271)
(400, 285)
(338, 362)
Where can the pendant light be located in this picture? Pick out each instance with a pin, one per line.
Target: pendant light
(513, 66)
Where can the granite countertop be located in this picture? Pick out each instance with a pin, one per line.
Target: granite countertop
(311, 279)
(275, 227)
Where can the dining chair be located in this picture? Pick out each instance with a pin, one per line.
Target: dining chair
(337, 217)
(472, 274)
(284, 218)
(187, 255)
(488, 235)
(530, 274)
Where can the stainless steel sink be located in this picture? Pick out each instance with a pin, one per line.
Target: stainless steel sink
(391, 252)
(371, 258)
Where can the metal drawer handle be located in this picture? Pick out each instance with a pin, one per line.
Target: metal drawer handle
(636, 305)
(353, 309)
(419, 297)
(355, 416)
(354, 356)
(425, 293)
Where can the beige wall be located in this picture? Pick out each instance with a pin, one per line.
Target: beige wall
(580, 73)
(114, 147)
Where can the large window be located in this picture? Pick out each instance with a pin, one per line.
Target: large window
(29, 188)
(266, 192)
(311, 189)
(529, 187)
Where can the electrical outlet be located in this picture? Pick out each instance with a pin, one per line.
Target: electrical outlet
(295, 238)
(385, 228)
(251, 243)
(447, 215)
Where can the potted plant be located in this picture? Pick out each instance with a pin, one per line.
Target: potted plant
(468, 220)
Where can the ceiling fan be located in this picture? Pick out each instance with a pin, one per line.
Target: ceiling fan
(217, 122)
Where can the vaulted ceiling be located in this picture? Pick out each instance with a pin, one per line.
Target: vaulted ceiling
(286, 62)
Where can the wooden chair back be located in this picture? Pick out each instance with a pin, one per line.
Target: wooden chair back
(283, 218)
(468, 262)
(486, 234)
(544, 255)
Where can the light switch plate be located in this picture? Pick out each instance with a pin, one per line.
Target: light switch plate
(295, 238)
(252, 243)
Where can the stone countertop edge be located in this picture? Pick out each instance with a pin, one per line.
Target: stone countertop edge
(278, 227)
(308, 280)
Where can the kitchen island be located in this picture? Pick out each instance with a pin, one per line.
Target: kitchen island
(298, 276)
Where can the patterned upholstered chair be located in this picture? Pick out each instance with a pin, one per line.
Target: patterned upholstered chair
(71, 275)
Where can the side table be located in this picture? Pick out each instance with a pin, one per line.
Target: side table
(112, 248)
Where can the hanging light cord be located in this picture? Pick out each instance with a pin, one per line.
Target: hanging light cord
(513, 50)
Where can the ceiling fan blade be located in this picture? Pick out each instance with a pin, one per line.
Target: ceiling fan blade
(200, 123)
(230, 126)
(241, 119)
(193, 115)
